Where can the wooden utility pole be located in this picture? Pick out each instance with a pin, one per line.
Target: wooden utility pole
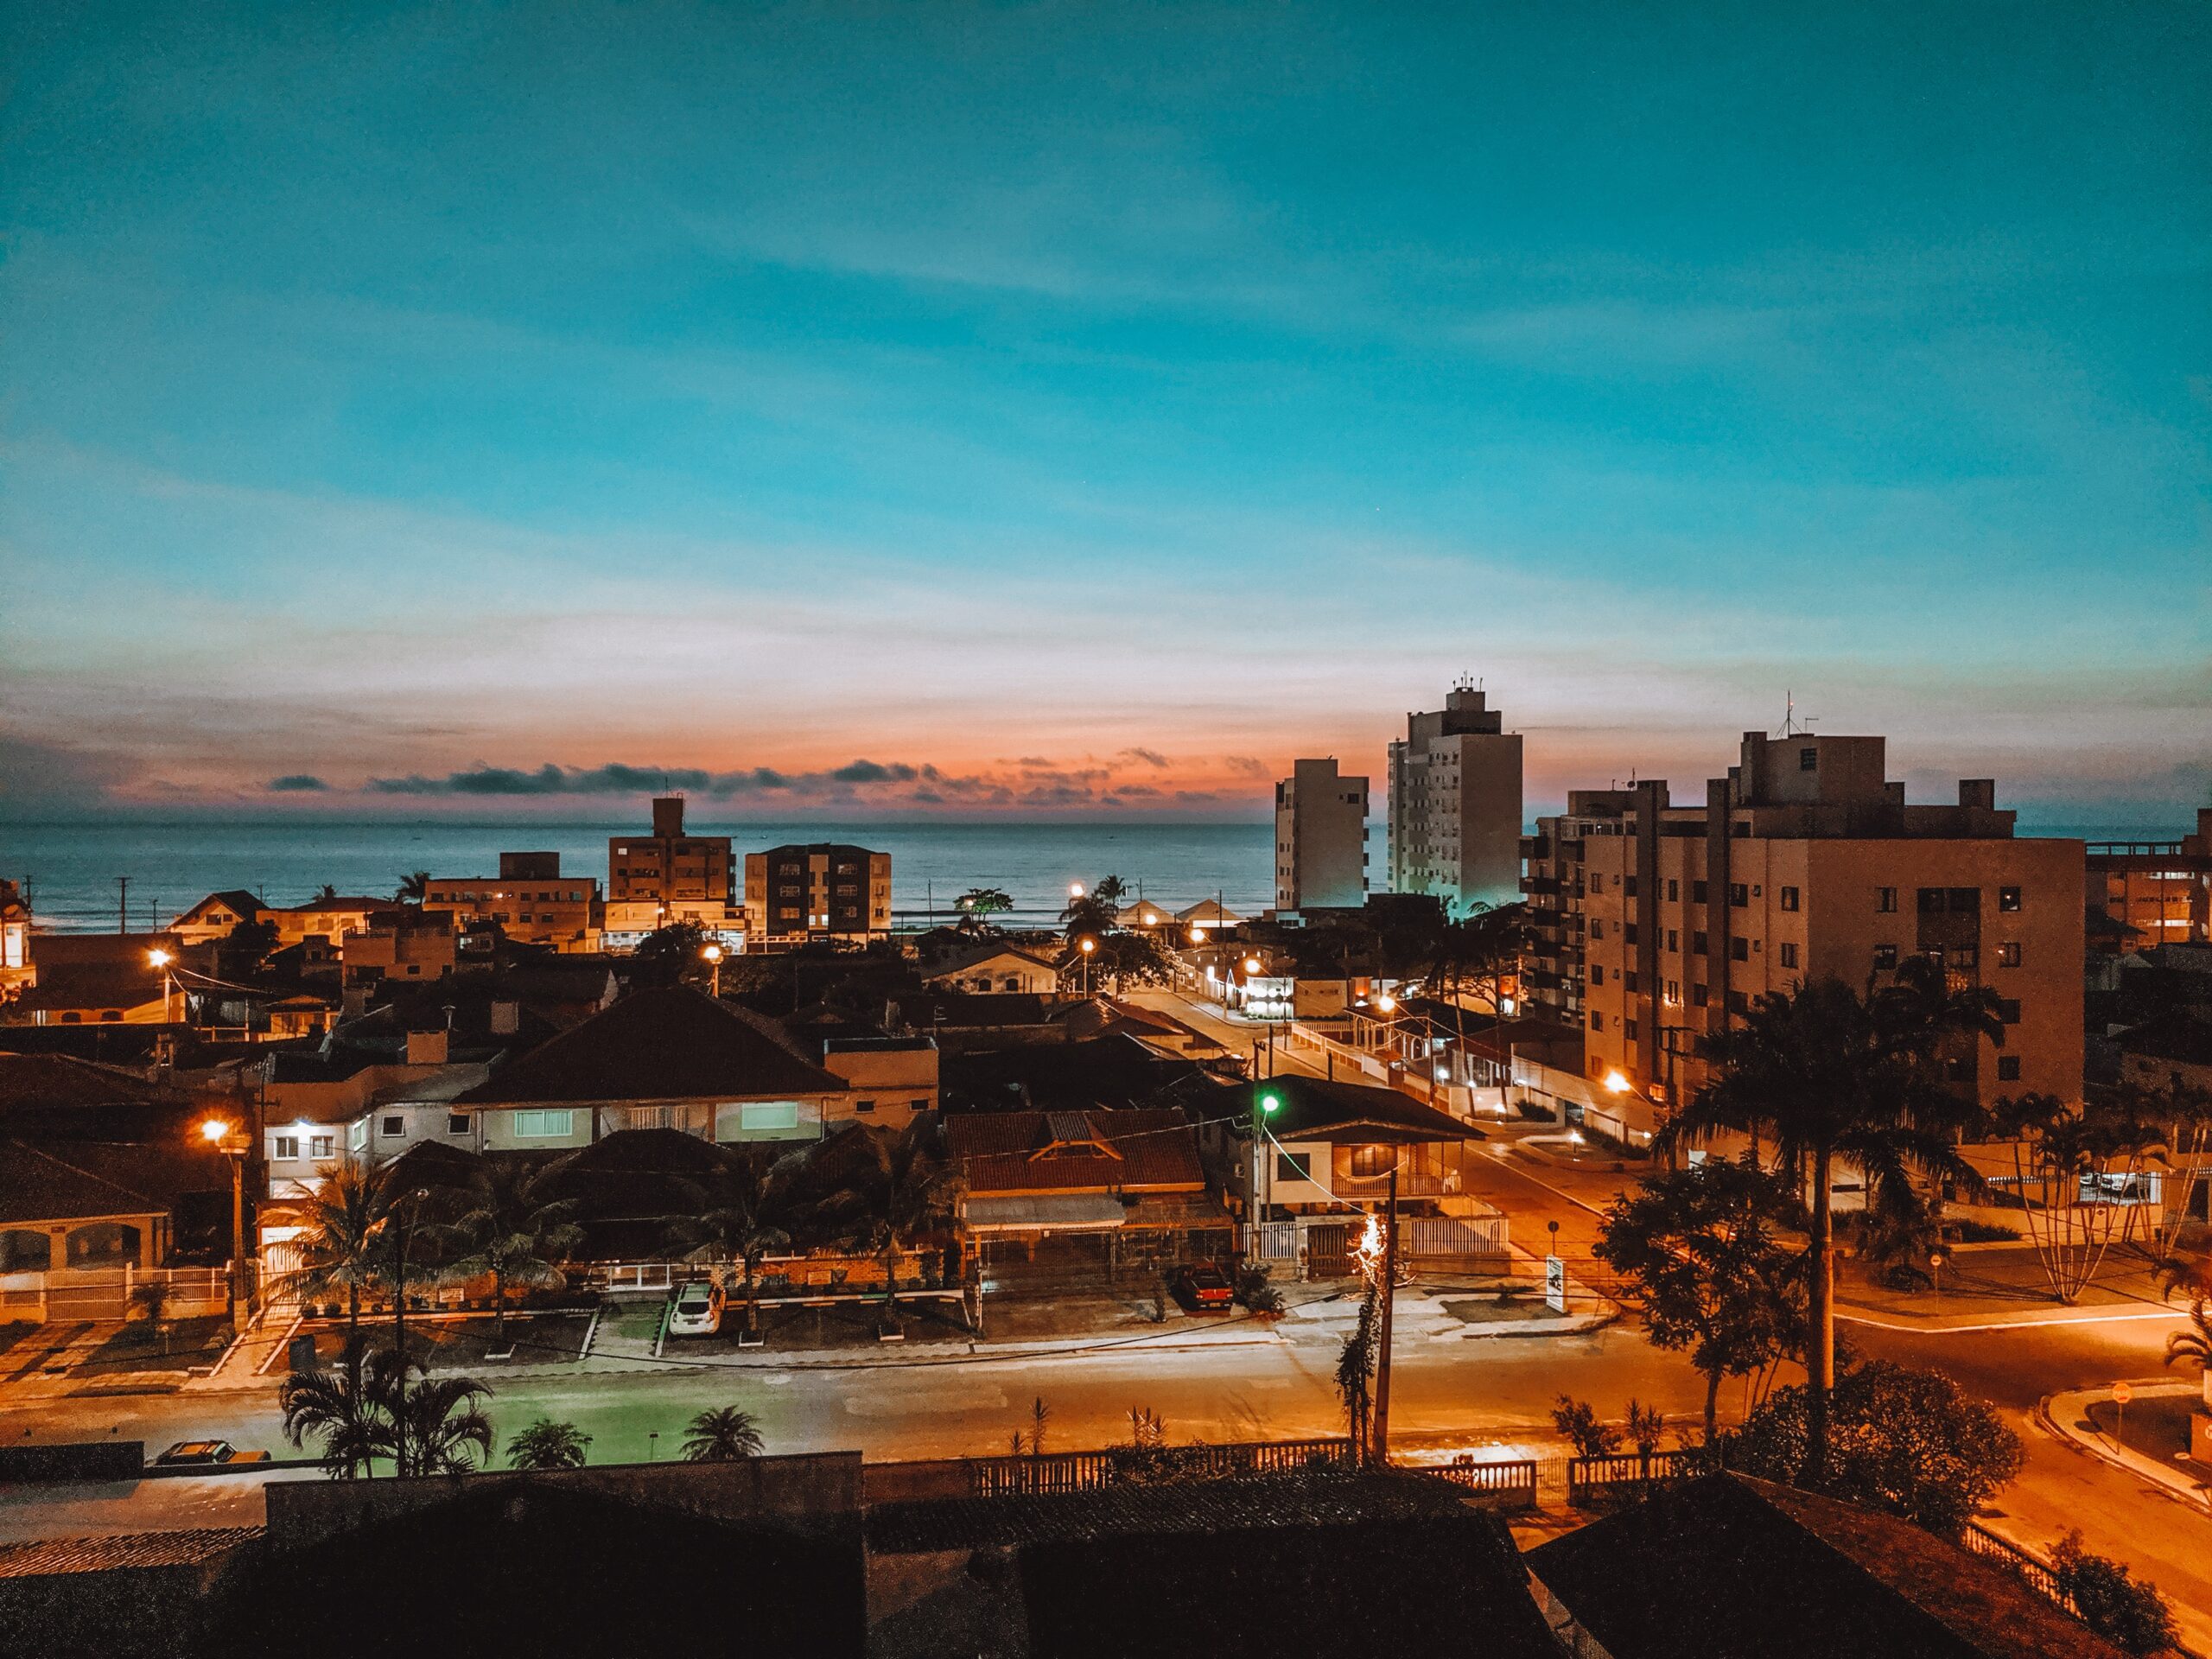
(1380, 1435)
(123, 903)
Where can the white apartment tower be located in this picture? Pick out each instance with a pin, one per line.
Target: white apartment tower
(1320, 838)
(1455, 806)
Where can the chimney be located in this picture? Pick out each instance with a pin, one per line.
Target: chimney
(426, 1048)
(668, 817)
(1979, 793)
(507, 1018)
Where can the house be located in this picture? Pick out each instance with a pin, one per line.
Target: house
(665, 1057)
(58, 1218)
(402, 944)
(1729, 1567)
(133, 1595)
(1091, 1193)
(968, 1019)
(1104, 1072)
(2171, 1050)
(101, 979)
(331, 918)
(990, 966)
(213, 917)
(15, 971)
(529, 900)
(1210, 914)
(891, 1079)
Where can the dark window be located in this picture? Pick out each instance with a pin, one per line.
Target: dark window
(1629, 1027)
(1739, 950)
(392, 1126)
(1632, 886)
(1959, 1071)
(1674, 940)
(1965, 901)
(2008, 1068)
(1697, 944)
(1963, 956)
(2008, 1010)
(1931, 901)
(1808, 760)
(457, 1123)
(1788, 954)
(1698, 994)
(1739, 894)
(1597, 1020)
(1789, 898)
(1294, 1166)
(1697, 892)
(1737, 1002)
(1631, 983)
(863, 1105)
(1597, 973)
(2008, 897)
(1674, 890)
(1628, 933)
(1886, 956)
(1886, 900)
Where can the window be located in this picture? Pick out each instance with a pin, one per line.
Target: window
(392, 1128)
(456, 1122)
(2008, 897)
(1632, 886)
(1373, 1162)
(1697, 944)
(1631, 984)
(864, 1106)
(1808, 760)
(1930, 900)
(1886, 900)
(1294, 1166)
(2008, 1068)
(1697, 892)
(1739, 894)
(1674, 890)
(543, 1126)
(2008, 954)
(1597, 1020)
(922, 1105)
(1965, 956)
(1628, 933)
(1674, 994)
(1739, 950)
(1959, 1071)
(357, 1135)
(288, 1146)
(1673, 941)
(1789, 898)
(1596, 973)
(1789, 954)
(759, 1115)
(1699, 995)
(1597, 928)
(1629, 1029)
(1739, 1003)
(1885, 957)
(322, 1145)
(2008, 1010)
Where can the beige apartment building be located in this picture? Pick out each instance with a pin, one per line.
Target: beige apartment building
(1320, 838)
(1455, 804)
(668, 866)
(1658, 923)
(529, 899)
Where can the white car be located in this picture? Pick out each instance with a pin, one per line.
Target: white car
(697, 1312)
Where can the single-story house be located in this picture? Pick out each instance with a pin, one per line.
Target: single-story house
(994, 967)
(101, 979)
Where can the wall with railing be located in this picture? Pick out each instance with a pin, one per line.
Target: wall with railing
(115, 1294)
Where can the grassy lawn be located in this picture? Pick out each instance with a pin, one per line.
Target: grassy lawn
(137, 1347)
(463, 1344)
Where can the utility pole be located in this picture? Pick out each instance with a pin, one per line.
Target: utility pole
(1380, 1434)
(123, 903)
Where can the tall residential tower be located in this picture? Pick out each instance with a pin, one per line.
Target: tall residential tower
(1320, 838)
(1455, 806)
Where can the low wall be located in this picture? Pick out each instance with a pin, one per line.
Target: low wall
(78, 1461)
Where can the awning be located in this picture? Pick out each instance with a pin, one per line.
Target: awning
(1057, 1213)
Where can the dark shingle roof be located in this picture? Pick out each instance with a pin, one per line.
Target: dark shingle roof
(1319, 1108)
(1007, 1151)
(191, 1547)
(61, 1080)
(1729, 1568)
(36, 1186)
(670, 1043)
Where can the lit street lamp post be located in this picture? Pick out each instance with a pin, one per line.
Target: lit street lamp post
(1265, 1104)
(713, 953)
(233, 1144)
(1089, 944)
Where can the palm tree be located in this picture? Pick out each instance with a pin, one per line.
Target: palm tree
(512, 1231)
(341, 1222)
(976, 907)
(1822, 1074)
(442, 1420)
(343, 1408)
(918, 1194)
(414, 887)
(733, 1220)
(721, 1435)
(548, 1445)
(326, 894)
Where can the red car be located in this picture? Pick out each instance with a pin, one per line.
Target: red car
(1203, 1287)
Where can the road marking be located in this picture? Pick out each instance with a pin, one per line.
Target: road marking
(2034, 1324)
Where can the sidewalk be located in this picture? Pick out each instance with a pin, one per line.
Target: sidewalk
(2071, 1417)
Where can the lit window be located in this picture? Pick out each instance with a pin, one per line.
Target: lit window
(543, 1126)
(288, 1146)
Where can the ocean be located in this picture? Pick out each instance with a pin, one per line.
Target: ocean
(69, 870)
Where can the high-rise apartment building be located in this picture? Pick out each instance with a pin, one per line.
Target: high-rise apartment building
(1320, 838)
(1455, 804)
(2144, 894)
(823, 891)
(669, 867)
(1657, 924)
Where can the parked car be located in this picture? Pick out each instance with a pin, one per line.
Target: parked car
(190, 1453)
(698, 1311)
(1203, 1287)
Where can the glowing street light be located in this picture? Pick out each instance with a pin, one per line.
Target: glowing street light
(1386, 1002)
(1087, 944)
(1198, 935)
(234, 1144)
(214, 1130)
(159, 958)
(1251, 964)
(1616, 1083)
(1075, 889)
(713, 953)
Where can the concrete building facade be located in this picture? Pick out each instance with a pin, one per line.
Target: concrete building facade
(1455, 804)
(2145, 894)
(828, 890)
(669, 867)
(529, 899)
(1320, 838)
(1657, 924)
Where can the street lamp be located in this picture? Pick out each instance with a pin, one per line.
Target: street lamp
(233, 1144)
(160, 959)
(1075, 889)
(713, 953)
(1265, 1104)
(1198, 935)
(1615, 1082)
(1088, 945)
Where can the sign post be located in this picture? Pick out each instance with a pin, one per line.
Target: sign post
(1555, 1275)
(2122, 1394)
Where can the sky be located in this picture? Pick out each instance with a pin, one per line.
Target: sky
(1085, 409)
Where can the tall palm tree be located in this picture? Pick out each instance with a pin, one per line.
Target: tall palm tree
(343, 1408)
(414, 887)
(341, 1224)
(1820, 1074)
(917, 1192)
(513, 1231)
(721, 1435)
(733, 1220)
(548, 1445)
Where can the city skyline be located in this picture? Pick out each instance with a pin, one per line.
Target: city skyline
(1033, 413)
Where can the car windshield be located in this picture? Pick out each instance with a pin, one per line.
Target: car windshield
(693, 1304)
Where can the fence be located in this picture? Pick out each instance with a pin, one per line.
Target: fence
(112, 1294)
(1511, 1484)
(1980, 1541)
(1091, 1472)
(1621, 1476)
(1320, 1248)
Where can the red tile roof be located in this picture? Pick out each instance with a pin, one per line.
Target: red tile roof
(46, 1557)
(1059, 1152)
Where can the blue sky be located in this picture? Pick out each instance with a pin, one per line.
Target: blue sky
(1021, 408)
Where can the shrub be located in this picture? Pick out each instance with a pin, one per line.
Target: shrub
(1577, 1420)
(2123, 1609)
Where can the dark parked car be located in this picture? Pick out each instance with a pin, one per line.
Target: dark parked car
(1203, 1287)
(189, 1454)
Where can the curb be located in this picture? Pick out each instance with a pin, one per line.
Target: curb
(2174, 1487)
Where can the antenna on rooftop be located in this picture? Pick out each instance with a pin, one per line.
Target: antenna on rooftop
(1793, 723)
